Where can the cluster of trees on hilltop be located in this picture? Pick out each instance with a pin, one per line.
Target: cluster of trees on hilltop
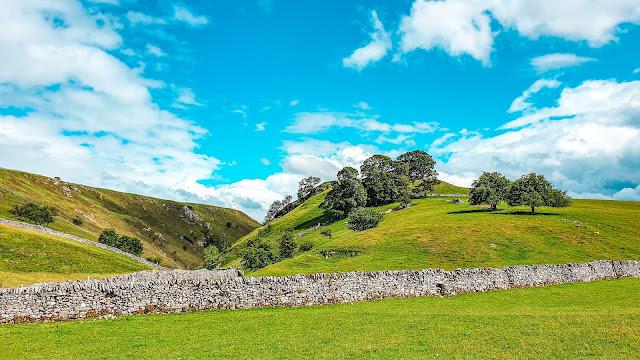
(381, 181)
(529, 190)
(130, 244)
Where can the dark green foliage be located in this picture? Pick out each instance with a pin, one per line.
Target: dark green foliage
(385, 180)
(153, 259)
(420, 168)
(258, 256)
(534, 190)
(347, 173)
(326, 232)
(363, 219)
(77, 221)
(306, 246)
(306, 186)
(277, 208)
(490, 188)
(40, 215)
(287, 245)
(126, 243)
(346, 196)
(228, 225)
(211, 255)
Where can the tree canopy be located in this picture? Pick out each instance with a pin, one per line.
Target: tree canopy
(534, 190)
(306, 186)
(420, 168)
(345, 196)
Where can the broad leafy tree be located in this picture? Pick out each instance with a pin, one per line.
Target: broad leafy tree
(306, 186)
(420, 169)
(287, 245)
(490, 188)
(534, 190)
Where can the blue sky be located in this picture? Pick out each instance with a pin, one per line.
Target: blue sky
(231, 103)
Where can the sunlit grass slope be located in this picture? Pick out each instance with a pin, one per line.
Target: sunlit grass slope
(566, 321)
(436, 232)
(27, 257)
(160, 224)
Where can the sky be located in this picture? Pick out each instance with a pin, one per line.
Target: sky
(231, 103)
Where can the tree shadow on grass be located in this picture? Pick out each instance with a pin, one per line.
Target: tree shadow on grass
(500, 212)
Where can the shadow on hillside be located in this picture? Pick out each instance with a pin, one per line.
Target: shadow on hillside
(473, 211)
(324, 219)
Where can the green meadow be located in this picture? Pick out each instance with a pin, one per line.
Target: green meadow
(27, 257)
(598, 320)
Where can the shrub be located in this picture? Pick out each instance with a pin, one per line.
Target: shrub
(363, 219)
(77, 221)
(153, 259)
(228, 224)
(257, 257)
(41, 215)
(126, 243)
(306, 246)
(211, 256)
(326, 232)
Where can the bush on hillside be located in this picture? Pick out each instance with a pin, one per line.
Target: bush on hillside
(211, 256)
(363, 219)
(287, 245)
(40, 215)
(132, 245)
(77, 221)
(258, 256)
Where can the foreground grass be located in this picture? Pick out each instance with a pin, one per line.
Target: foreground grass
(598, 320)
(437, 233)
(27, 257)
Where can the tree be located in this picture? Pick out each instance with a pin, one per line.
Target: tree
(306, 186)
(346, 196)
(363, 219)
(259, 256)
(211, 255)
(490, 188)
(276, 207)
(126, 243)
(347, 173)
(108, 237)
(420, 168)
(385, 180)
(287, 245)
(534, 190)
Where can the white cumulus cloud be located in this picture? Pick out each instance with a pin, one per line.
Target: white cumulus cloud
(549, 62)
(375, 50)
(183, 14)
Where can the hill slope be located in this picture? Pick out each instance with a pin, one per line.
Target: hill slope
(28, 256)
(169, 230)
(436, 232)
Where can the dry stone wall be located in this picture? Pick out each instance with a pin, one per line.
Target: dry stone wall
(180, 290)
(46, 230)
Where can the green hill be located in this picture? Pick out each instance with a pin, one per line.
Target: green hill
(437, 232)
(169, 230)
(28, 256)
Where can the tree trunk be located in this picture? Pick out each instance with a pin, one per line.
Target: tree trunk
(532, 211)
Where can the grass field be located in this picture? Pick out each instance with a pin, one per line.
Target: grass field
(160, 224)
(436, 232)
(27, 257)
(584, 320)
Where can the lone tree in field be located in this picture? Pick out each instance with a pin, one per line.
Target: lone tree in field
(534, 190)
(490, 188)
(421, 168)
(306, 186)
(385, 180)
(346, 195)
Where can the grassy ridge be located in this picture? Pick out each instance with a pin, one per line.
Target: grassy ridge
(565, 321)
(435, 232)
(161, 224)
(28, 257)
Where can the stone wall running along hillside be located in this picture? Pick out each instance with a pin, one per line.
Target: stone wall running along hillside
(180, 290)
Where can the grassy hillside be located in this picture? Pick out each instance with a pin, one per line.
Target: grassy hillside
(436, 232)
(27, 257)
(566, 321)
(166, 228)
